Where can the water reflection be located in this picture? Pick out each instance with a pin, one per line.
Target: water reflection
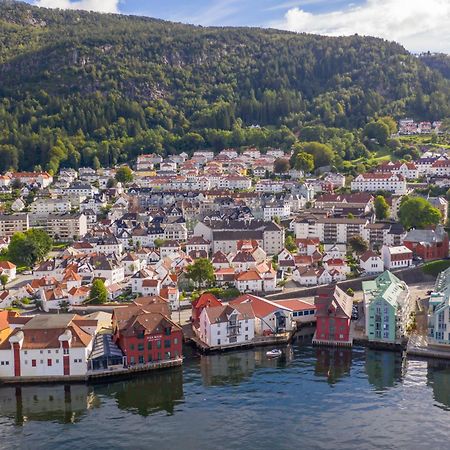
(69, 404)
(333, 363)
(59, 403)
(384, 369)
(154, 392)
(438, 378)
(221, 369)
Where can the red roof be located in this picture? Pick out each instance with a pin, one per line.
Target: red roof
(261, 307)
(295, 304)
(206, 300)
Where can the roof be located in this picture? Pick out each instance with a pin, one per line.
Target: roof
(43, 331)
(223, 312)
(261, 307)
(386, 286)
(332, 300)
(296, 304)
(206, 300)
(368, 254)
(7, 265)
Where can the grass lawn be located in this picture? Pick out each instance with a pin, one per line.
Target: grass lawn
(435, 267)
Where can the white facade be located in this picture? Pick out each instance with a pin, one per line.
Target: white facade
(372, 182)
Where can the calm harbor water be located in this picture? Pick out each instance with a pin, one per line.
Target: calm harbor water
(309, 399)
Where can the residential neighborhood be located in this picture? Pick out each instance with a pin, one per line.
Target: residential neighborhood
(247, 257)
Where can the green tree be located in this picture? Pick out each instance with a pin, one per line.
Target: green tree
(30, 247)
(303, 161)
(289, 244)
(416, 212)
(4, 280)
(124, 175)
(281, 165)
(98, 293)
(201, 272)
(358, 244)
(322, 153)
(378, 131)
(390, 122)
(381, 207)
(112, 182)
(158, 242)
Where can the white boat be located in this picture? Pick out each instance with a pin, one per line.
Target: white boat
(275, 353)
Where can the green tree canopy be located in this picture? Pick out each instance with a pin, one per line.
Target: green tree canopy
(358, 244)
(201, 272)
(98, 293)
(124, 175)
(289, 244)
(303, 161)
(377, 130)
(281, 165)
(29, 247)
(416, 212)
(381, 207)
(322, 153)
(4, 280)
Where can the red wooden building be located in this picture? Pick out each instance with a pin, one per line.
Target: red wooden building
(145, 333)
(333, 314)
(428, 244)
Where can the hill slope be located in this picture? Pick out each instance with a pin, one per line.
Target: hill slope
(82, 88)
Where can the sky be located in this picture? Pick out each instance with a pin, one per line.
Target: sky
(419, 25)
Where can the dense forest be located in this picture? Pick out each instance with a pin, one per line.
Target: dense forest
(80, 88)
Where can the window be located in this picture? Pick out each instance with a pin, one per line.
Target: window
(57, 361)
(132, 360)
(167, 343)
(167, 331)
(158, 344)
(131, 347)
(66, 351)
(141, 359)
(25, 352)
(49, 351)
(49, 362)
(140, 347)
(149, 345)
(246, 337)
(150, 358)
(175, 341)
(33, 363)
(218, 341)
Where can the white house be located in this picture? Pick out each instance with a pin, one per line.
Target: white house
(226, 325)
(48, 346)
(396, 257)
(371, 263)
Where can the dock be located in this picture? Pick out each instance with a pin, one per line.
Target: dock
(97, 375)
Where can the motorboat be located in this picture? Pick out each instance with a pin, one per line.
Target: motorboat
(275, 353)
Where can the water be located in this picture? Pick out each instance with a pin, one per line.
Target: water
(310, 399)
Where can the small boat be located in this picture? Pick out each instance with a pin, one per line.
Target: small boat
(275, 353)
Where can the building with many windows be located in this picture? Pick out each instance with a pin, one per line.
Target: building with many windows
(145, 333)
(388, 307)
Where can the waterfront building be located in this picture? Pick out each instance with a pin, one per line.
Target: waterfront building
(145, 333)
(226, 325)
(48, 346)
(388, 307)
(334, 311)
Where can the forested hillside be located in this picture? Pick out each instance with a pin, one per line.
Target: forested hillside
(81, 88)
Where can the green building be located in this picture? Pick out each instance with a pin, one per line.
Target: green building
(387, 306)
